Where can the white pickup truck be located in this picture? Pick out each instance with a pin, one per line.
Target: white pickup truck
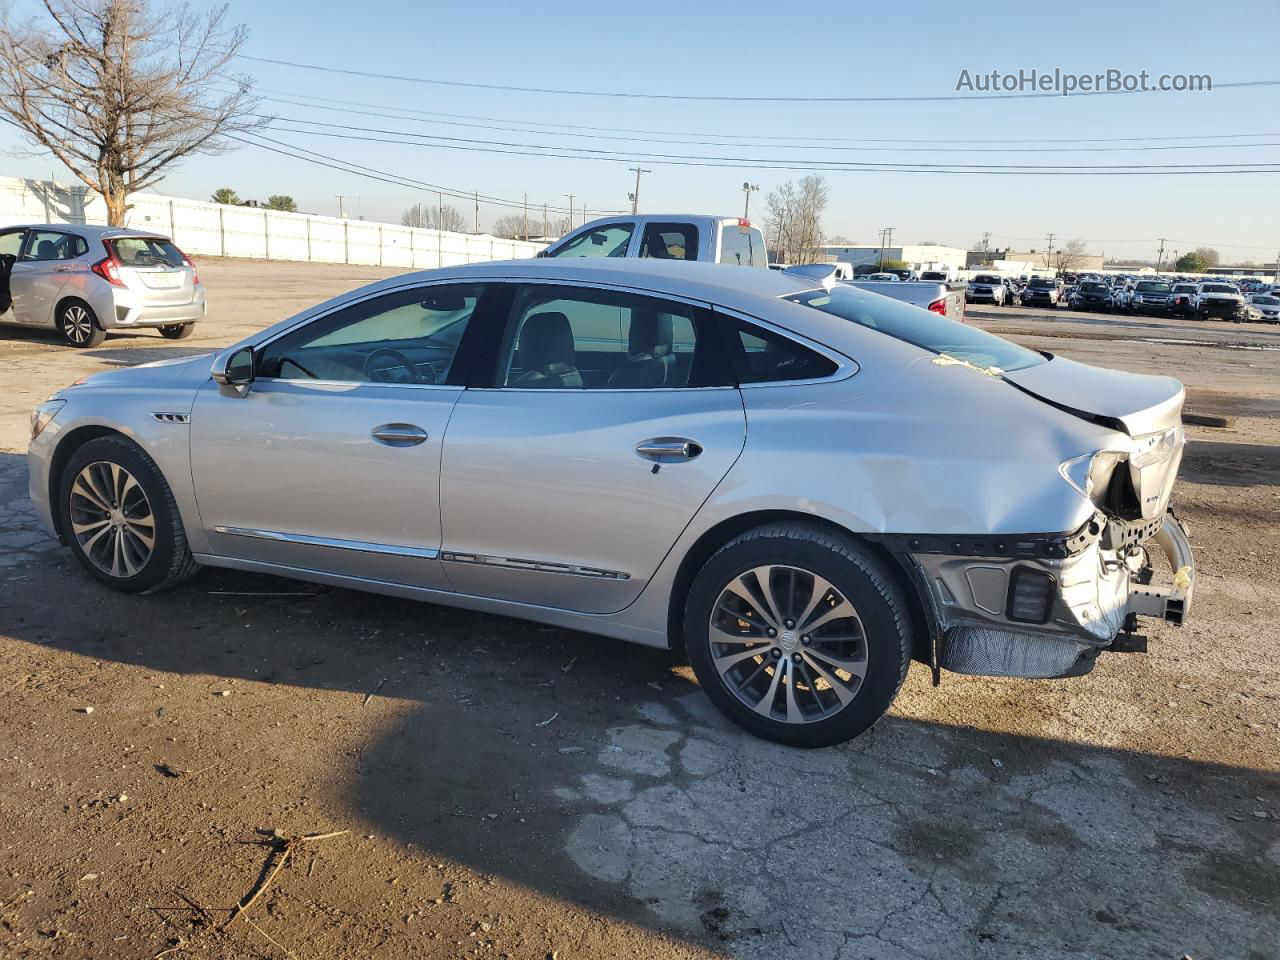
(678, 236)
(947, 299)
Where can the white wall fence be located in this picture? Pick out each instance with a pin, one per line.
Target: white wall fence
(215, 229)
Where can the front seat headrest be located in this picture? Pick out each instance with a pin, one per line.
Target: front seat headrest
(546, 341)
(651, 333)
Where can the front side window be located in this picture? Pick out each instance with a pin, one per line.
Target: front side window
(579, 338)
(11, 243)
(51, 245)
(922, 328)
(609, 240)
(407, 337)
(669, 241)
(742, 246)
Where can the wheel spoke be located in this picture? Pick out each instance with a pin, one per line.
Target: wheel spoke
(822, 658)
(83, 489)
(87, 545)
(765, 706)
(764, 580)
(837, 685)
(735, 658)
(145, 539)
(744, 593)
(820, 589)
(793, 709)
(842, 610)
(720, 635)
(80, 529)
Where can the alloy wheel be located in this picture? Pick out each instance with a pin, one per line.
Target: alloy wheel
(788, 644)
(78, 323)
(111, 519)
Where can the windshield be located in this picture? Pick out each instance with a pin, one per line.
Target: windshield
(1217, 288)
(1149, 287)
(986, 279)
(1184, 288)
(1041, 282)
(1267, 301)
(1092, 287)
(922, 328)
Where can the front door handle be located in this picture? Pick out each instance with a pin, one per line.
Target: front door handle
(399, 434)
(668, 449)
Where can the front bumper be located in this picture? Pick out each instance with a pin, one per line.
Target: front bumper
(1090, 587)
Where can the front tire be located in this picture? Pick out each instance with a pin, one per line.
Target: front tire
(79, 326)
(177, 331)
(798, 635)
(120, 518)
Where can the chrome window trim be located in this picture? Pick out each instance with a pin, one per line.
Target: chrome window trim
(356, 546)
(360, 383)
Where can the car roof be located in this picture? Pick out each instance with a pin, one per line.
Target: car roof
(90, 230)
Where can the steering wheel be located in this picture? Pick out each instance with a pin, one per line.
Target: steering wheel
(380, 372)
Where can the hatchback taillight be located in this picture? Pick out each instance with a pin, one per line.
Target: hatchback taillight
(939, 306)
(195, 274)
(108, 268)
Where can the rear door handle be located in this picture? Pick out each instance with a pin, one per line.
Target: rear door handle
(399, 434)
(668, 449)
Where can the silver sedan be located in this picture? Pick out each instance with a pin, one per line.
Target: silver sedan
(803, 487)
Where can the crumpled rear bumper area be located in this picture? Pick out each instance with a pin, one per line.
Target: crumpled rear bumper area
(1050, 611)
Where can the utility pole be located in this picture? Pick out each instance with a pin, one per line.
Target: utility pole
(341, 214)
(635, 197)
(1160, 256)
(886, 245)
(570, 196)
(986, 244)
(439, 210)
(546, 227)
(1048, 257)
(748, 189)
(477, 211)
(525, 234)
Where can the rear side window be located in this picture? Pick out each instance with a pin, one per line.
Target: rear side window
(11, 243)
(742, 246)
(147, 252)
(762, 356)
(51, 245)
(670, 241)
(921, 328)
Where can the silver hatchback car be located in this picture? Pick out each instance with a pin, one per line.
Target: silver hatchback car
(803, 487)
(87, 280)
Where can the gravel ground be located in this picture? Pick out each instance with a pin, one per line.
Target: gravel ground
(510, 790)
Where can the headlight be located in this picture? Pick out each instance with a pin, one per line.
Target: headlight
(43, 414)
(1091, 474)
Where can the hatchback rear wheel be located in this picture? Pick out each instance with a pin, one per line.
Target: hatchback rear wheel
(78, 324)
(177, 331)
(798, 635)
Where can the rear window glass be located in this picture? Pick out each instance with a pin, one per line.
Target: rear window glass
(147, 252)
(913, 325)
(742, 246)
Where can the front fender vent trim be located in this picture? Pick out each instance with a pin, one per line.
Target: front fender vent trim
(165, 416)
(537, 566)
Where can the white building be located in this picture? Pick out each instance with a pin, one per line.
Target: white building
(918, 256)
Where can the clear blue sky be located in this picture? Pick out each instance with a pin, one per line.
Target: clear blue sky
(756, 48)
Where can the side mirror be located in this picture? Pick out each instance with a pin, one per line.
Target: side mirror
(235, 370)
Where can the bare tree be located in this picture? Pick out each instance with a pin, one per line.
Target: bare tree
(118, 91)
(1071, 255)
(1209, 256)
(512, 226)
(434, 218)
(795, 218)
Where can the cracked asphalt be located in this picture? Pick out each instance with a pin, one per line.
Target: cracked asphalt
(511, 790)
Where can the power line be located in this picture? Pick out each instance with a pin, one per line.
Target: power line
(764, 163)
(630, 95)
(685, 133)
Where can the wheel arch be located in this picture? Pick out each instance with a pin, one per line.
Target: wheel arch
(62, 453)
(726, 530)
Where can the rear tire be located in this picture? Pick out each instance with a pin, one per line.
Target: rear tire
(840, 649)
(120, 518)
(177, 331)
(78, 324)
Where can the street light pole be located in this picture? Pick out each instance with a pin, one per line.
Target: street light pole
(748, 189)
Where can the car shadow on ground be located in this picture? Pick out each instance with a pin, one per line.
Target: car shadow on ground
(596, 773)
(135, 353)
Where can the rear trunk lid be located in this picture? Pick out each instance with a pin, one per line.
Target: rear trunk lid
(1147, 408)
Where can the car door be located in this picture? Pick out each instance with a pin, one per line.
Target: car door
(10, 248)
(41, 271)
(331, 460)
(599, 423)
